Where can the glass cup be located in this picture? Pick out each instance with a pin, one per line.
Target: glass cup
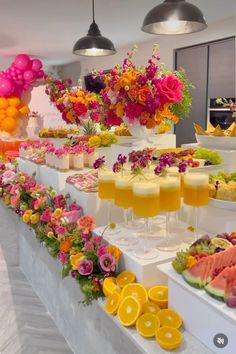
(196, 194)
(146, 204)
(170, 201)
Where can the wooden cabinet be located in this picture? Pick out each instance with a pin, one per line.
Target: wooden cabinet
(211, 69)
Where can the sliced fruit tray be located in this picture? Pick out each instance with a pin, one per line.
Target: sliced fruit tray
(210, 264)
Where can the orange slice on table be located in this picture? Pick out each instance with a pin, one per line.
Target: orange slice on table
(169, 338)
(169, 318)
(147, 325)
(159, 295)
(129, 311)
(125, 278)
(109, 286)
(112, 303)
(136, 290)
(150, 307)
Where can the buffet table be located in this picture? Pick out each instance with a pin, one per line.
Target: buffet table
(80, 325)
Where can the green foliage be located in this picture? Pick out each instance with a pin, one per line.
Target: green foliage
(182, 109)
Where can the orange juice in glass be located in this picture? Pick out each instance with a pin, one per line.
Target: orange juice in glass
(123, 191)
(173, 171)
(170, 193)
(196, 189)
(106, 184)
(146, 199)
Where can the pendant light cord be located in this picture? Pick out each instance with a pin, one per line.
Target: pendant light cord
(93, 12)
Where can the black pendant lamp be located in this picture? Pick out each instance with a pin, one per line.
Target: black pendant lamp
(174, 17)
(94, 44)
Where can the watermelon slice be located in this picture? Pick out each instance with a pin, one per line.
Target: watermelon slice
(204, 271)
(221, 287)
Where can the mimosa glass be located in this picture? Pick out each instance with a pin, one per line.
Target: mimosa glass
(146, 204)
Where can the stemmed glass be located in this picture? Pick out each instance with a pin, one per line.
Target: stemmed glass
(106, 191)
(196, 194)
(146, 204)
(170, 201)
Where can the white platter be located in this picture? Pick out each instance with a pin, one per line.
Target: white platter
(217, 142)
(222, 204)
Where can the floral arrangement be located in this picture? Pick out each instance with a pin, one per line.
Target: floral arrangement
(78, 105)
(58, 224)
(55, 88)
(147, 95)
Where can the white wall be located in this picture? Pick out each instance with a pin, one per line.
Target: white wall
(220, 29)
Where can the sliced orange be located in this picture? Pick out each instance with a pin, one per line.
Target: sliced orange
(147, 325)
(112, 303)
(129, 311)
(136, 290)
(125, 278)
(150, 307)
(169, 318)
(169, 338)
(159, 295)
(109, 286)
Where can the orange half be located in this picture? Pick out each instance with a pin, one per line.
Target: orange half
(169, 318)
(169, 338)
(129, 311)
(136, 290)
(159, 295)
(147, 325)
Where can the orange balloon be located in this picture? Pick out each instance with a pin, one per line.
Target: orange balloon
(14, 101)
(2, 116)
(12, 112)
(3, 103)
(8, 124)
(24, 110)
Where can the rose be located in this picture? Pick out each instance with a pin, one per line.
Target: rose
(143, 94)
(107, 263)
(85, 267)
(86, 223)
(169, 89)
(80, 109)
(88, 246)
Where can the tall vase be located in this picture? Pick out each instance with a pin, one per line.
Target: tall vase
(140, 134)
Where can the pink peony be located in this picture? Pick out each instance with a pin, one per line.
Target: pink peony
(46, 215)
(107, 262)
(169, 89)
(80, 109)
(85, 267)
(133, 110)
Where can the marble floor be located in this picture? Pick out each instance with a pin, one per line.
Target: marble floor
(25, 325)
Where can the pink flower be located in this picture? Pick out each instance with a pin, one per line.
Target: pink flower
(8, 177)
(80, 109)
(101, 251)
(86, 223)
(15, 201)
(107, 263)
(59, 201)
(96, 116)
(169, 89)
(112, 119)
(46, 215)
(88, 246)
(60, 230)
(75, 206)
(71, 216)
(133, 110)
(63, 258)
(38, 203)
(97, 239)
(85, 236)
(93, 104)
(85, 267)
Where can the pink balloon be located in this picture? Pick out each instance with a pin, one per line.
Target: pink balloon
(18, 90)
(22, 61)
(40, 74)
(9, 76)
(29, 75)
(6, 87)
(20, 77)
(18, 71)
(3, 75)
(36, 65)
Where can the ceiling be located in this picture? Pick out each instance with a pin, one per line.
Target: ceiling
(49, 28)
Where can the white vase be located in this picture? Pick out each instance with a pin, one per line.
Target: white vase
(140, 134)
(78, 160)
(63, 163)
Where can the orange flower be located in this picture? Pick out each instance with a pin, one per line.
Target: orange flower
(114, 251)
(65, 245)
(120, 109)
(133, 92)
(142, 95)
(75, 259)
(70, 116)
(86, 223)
(151, 123)
(117, 87)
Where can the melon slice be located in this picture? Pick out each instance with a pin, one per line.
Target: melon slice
(221, 287)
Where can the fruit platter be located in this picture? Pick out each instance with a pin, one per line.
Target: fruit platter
(215, 137)
(210, 264)
(222, 190)
(86, 182)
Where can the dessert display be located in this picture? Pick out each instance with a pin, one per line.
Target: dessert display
(223, 186)
(86, 182)
(57, 133)
(210, 264)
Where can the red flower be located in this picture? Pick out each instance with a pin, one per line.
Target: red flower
(80, 109)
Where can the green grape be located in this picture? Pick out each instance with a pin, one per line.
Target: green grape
(209, 155)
